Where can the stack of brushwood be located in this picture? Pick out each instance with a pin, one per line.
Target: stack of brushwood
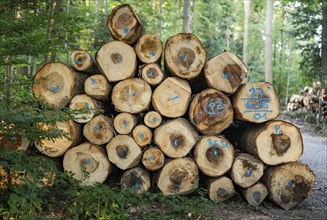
(192, 123)
(312, 99)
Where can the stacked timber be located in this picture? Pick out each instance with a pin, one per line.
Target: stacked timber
(193, 122)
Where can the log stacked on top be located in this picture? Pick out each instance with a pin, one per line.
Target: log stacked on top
(160, 125)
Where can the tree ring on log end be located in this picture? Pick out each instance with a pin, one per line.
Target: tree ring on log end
(281, 143)
(124, 20)
(214, 155)
(222, 193)
(122, 151)
(116, 58)
(87, 162)
(177, 140)
(185, 57)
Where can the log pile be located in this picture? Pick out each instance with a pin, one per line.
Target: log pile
(191, 123)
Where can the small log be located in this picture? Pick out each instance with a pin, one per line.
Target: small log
(225, 72)
(176, 137)
(142, 135)
(256, 102)
(14, 143)
(178, 177)
(86, 108)
(153, 158)
(152, 74)
(255, 194)
(274, 142)
(124, 123)
(152, 119)
(172, 97)
(246, 170)
(83, 61)
(184, 55)
(211, 112)
(98, 87)
(99, 130)
(88, 163)
(124, 24)
(131, 95)
(56, 84)
(289, 184)
(296, 99)
(136, 178)
(124, 152)
(214, 155)
(220, 189)
(149, 48)
(58, 146)
(117, 60)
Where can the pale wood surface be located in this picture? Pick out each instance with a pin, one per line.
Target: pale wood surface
(99, 130)
(255, 194)
(149, 48)
(98, 87)
(83, 61)
(220, 189)
(153, 158)
(152, 73)
(152, 119)
(142, 135)
(124, 123)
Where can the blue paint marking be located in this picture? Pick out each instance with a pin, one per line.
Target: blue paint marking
(150, 158)
(256, 196)
(248, 173)
(175, 98)
(226, 76)
(55, 89)
(88, 161)
(122, 153)
(126, 30)
(215, 144)
(277, 128)
(93, 81)
(125, 123)
(119, 60)
(134, 94)
(215, 106)
(78, 62)
(283, 147)
(149, 73)
(13, 138)
(141, 136)
(289, 183)
(215, 153)
(137, 185)
(154, 119)
(258, 116)
(176, 142)
(182, 57)
(152, 53)
(200, 112)
(86, 105)
(268, 87)
(96, 127)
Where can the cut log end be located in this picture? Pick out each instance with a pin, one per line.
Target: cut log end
(142, 135)
(255, 194)
(152, 119)
(149, 48)
(14, 143)
(97, 86)
(137, 179)
(99, 130)
(220, 189)
(81, 60)
(153, 159)
(152, 73)
(124, 123)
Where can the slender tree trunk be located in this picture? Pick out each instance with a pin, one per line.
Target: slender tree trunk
(289, 74)
(268, 43)
(186, 17)
(247, 4)
(160, 18)
(324, 44)
(46, 56)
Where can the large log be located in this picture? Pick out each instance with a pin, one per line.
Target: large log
(88, 163)
(178, 177)
(149, 48)
(256, 102)
(153, 158)
(246, 170)
(142, 135)
(220, 189)
(57, 147)
(131, 95)
(124, 152)
(136, 178)
(116, 60)
(225, 72)
(184, 55)
(99, 130)
(175, 137)
(289, 184)
(171, 98)
(274, 142)
(152, 119)
(83, 61)
(124, 123)
(152, 74)
(255, 194)
(56, 84)
(211, 112)
(124, 24)
(214, 155)
(98, 87)
(86, 108)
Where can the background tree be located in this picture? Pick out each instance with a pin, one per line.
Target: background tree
(268, 41)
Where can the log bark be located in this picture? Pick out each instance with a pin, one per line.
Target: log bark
(142, 135)
(274, 142)
(172, 97)
(88, 163)
(131, 95)
(178, 177)
(116, 60)
(99, 130)
(98, 87)
(184, 55)
(124, 152)
(214, 155)
(289, 184)
(176, 137)
(56, 84)
(211, 112)
(124, 123)
(136, 178)
(124, 24)
(256, 102)
(225, 72)
(153, 158)
(220, 189)
(83, 61)
(152, 119)
(246, 170)
(86, 108)
(58, 146)
(255, 194)
(152, 74)
(149, 48)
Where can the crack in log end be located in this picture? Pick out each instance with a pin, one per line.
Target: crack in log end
(233, 73)
(256, 196)
(87, 162)
(185, 57)
(296, 190)
(152, 73)
(177, 177)
(177, 140)
(116, 58)
(122, 151)
(248, 168)
(222, 193)
(215, 155)
(149, 47)
(281, 143)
